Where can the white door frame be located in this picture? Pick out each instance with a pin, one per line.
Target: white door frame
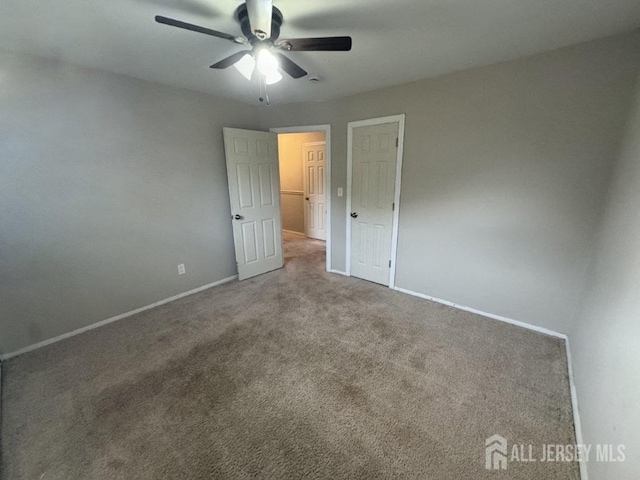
(400, 119)
(326, 128)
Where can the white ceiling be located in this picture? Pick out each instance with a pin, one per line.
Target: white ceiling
(395, 41)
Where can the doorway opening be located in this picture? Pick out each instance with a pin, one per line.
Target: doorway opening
(304, 157)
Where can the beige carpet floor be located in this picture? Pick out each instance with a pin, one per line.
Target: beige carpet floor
(294, 374)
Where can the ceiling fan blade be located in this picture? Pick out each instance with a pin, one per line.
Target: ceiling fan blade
(325, 44)
(196, 28)
(260, 12)
(230, 60)
(291, 67)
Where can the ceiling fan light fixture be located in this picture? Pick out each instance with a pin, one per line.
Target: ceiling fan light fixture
(260, 24)
(273, 77)
(245, 66)
(266, 62)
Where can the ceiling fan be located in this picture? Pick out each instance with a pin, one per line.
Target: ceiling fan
(260, 24)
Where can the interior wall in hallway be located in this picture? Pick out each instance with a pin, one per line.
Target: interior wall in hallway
(292, 177)
(107, 183)
(505, 172)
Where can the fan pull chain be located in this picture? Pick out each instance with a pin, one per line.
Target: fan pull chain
(264, 95)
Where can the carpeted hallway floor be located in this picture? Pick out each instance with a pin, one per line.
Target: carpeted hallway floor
(294, 374)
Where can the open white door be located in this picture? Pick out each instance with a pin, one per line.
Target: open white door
(374, 157)
(254, 190)
(315, 191)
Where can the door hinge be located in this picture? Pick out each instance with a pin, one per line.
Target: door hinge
(389, 263)
(393, 207)
(397, 142)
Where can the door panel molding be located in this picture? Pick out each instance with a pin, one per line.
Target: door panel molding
(351, 126)
(314, 173)
(254, 195)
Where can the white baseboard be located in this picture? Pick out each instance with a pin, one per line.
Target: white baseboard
(101, 323)
(297, 234)
(546, 331)
(576, 414)
(338, 272)
(535, 328)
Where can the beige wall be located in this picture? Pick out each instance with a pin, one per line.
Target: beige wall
(291, 177)
(106, 184)
(505, 172)
(605, 335)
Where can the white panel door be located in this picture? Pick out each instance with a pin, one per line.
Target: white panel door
(315, 211)
(254, 190)
(373, 184)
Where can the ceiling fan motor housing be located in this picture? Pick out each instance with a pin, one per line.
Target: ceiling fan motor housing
(242, 15)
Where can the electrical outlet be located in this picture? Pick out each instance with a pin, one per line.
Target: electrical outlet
(340, 191)
(181, 269)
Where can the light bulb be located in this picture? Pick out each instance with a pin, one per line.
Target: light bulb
(267, 63)
(245, 66)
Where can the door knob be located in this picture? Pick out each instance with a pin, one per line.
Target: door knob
(238, 217)
(354, 214)
(307, 198)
